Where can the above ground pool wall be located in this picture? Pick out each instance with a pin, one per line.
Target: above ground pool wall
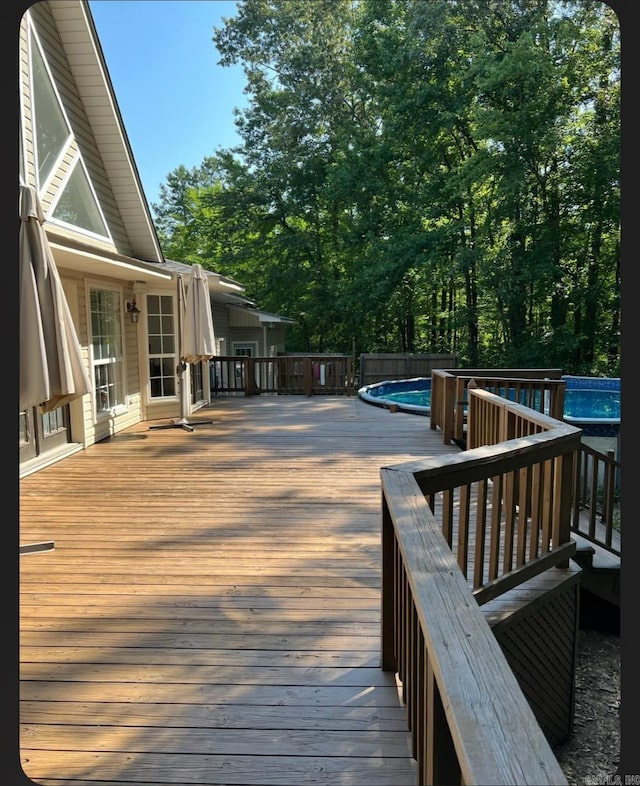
(599, 433)
(375, 394)
(592, 383)
(602, 436)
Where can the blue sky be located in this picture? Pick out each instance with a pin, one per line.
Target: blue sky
(176, 102)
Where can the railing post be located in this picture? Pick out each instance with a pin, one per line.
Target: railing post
(250, 377)
(503, 425)
(557, 400)
(448, 408)
(387, 647)
(472, 422)
(608, 486)
(441, 760)
(436, 397)
(458, 409)
(563, 482)
(308, 377)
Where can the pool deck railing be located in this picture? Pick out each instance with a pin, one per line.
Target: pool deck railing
(541, 389)
(483, 524)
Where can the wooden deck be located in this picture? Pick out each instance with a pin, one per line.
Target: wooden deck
(211, 611)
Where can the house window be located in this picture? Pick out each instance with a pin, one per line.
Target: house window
(247, 349)
(51, 129)
(107, 350)
(77, 204)
(54, 422)
(161, 329)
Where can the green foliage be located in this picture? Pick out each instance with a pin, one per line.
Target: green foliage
(420, 176)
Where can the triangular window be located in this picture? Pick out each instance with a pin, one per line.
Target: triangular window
(51, 129)
(77, 204)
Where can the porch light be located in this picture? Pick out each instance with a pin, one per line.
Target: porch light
(133, 311)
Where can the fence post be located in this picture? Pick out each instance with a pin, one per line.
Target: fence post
(250, 377)
(308, 377)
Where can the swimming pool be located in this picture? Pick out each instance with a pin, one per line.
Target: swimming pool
(590, 403)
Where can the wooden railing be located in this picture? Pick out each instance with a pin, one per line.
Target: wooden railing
(496, 418)
(596, 509)
(595, 484)
(541, 389)
(503, 515)
(285, 374)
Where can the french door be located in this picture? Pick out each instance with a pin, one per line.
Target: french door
(197, 383)
(40, 433)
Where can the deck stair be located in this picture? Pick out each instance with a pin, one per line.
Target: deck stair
(600, 569)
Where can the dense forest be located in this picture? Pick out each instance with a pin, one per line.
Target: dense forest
(420, 176)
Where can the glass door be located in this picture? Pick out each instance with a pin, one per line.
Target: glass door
(197, 383)
(40, 433)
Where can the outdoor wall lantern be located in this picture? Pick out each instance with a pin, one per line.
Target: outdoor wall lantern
(133, 311)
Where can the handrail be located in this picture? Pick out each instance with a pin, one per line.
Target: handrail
(517, 481)
(284, 374)
(540, 389)
(518, 493)
(494, 418)
(457, 685)
(596, 483)
(596, 475)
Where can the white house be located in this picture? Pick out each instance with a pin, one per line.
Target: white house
(75, 153)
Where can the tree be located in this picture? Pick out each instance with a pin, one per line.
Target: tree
(420, 175)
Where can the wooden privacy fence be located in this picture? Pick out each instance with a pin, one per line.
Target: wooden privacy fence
(457, 531)
(285, 374)
(379, 367)
(541, 389)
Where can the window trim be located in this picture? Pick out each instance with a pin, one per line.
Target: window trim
(149, 356)
(251, 345)
(67, 148)
(52, 219)
(100, 416)
(34, 38)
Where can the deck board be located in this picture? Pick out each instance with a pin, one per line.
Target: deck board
(210, 612)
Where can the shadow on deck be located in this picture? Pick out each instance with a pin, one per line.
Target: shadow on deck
(210, 613)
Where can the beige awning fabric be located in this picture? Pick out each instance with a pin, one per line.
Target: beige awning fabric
(198, 342)
(52, 370)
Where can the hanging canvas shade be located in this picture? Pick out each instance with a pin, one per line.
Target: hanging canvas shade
(198, 336)
(52, 371)
(195, 336)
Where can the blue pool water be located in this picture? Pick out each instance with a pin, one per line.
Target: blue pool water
(591, 403)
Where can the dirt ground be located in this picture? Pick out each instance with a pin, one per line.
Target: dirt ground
(590, 757)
